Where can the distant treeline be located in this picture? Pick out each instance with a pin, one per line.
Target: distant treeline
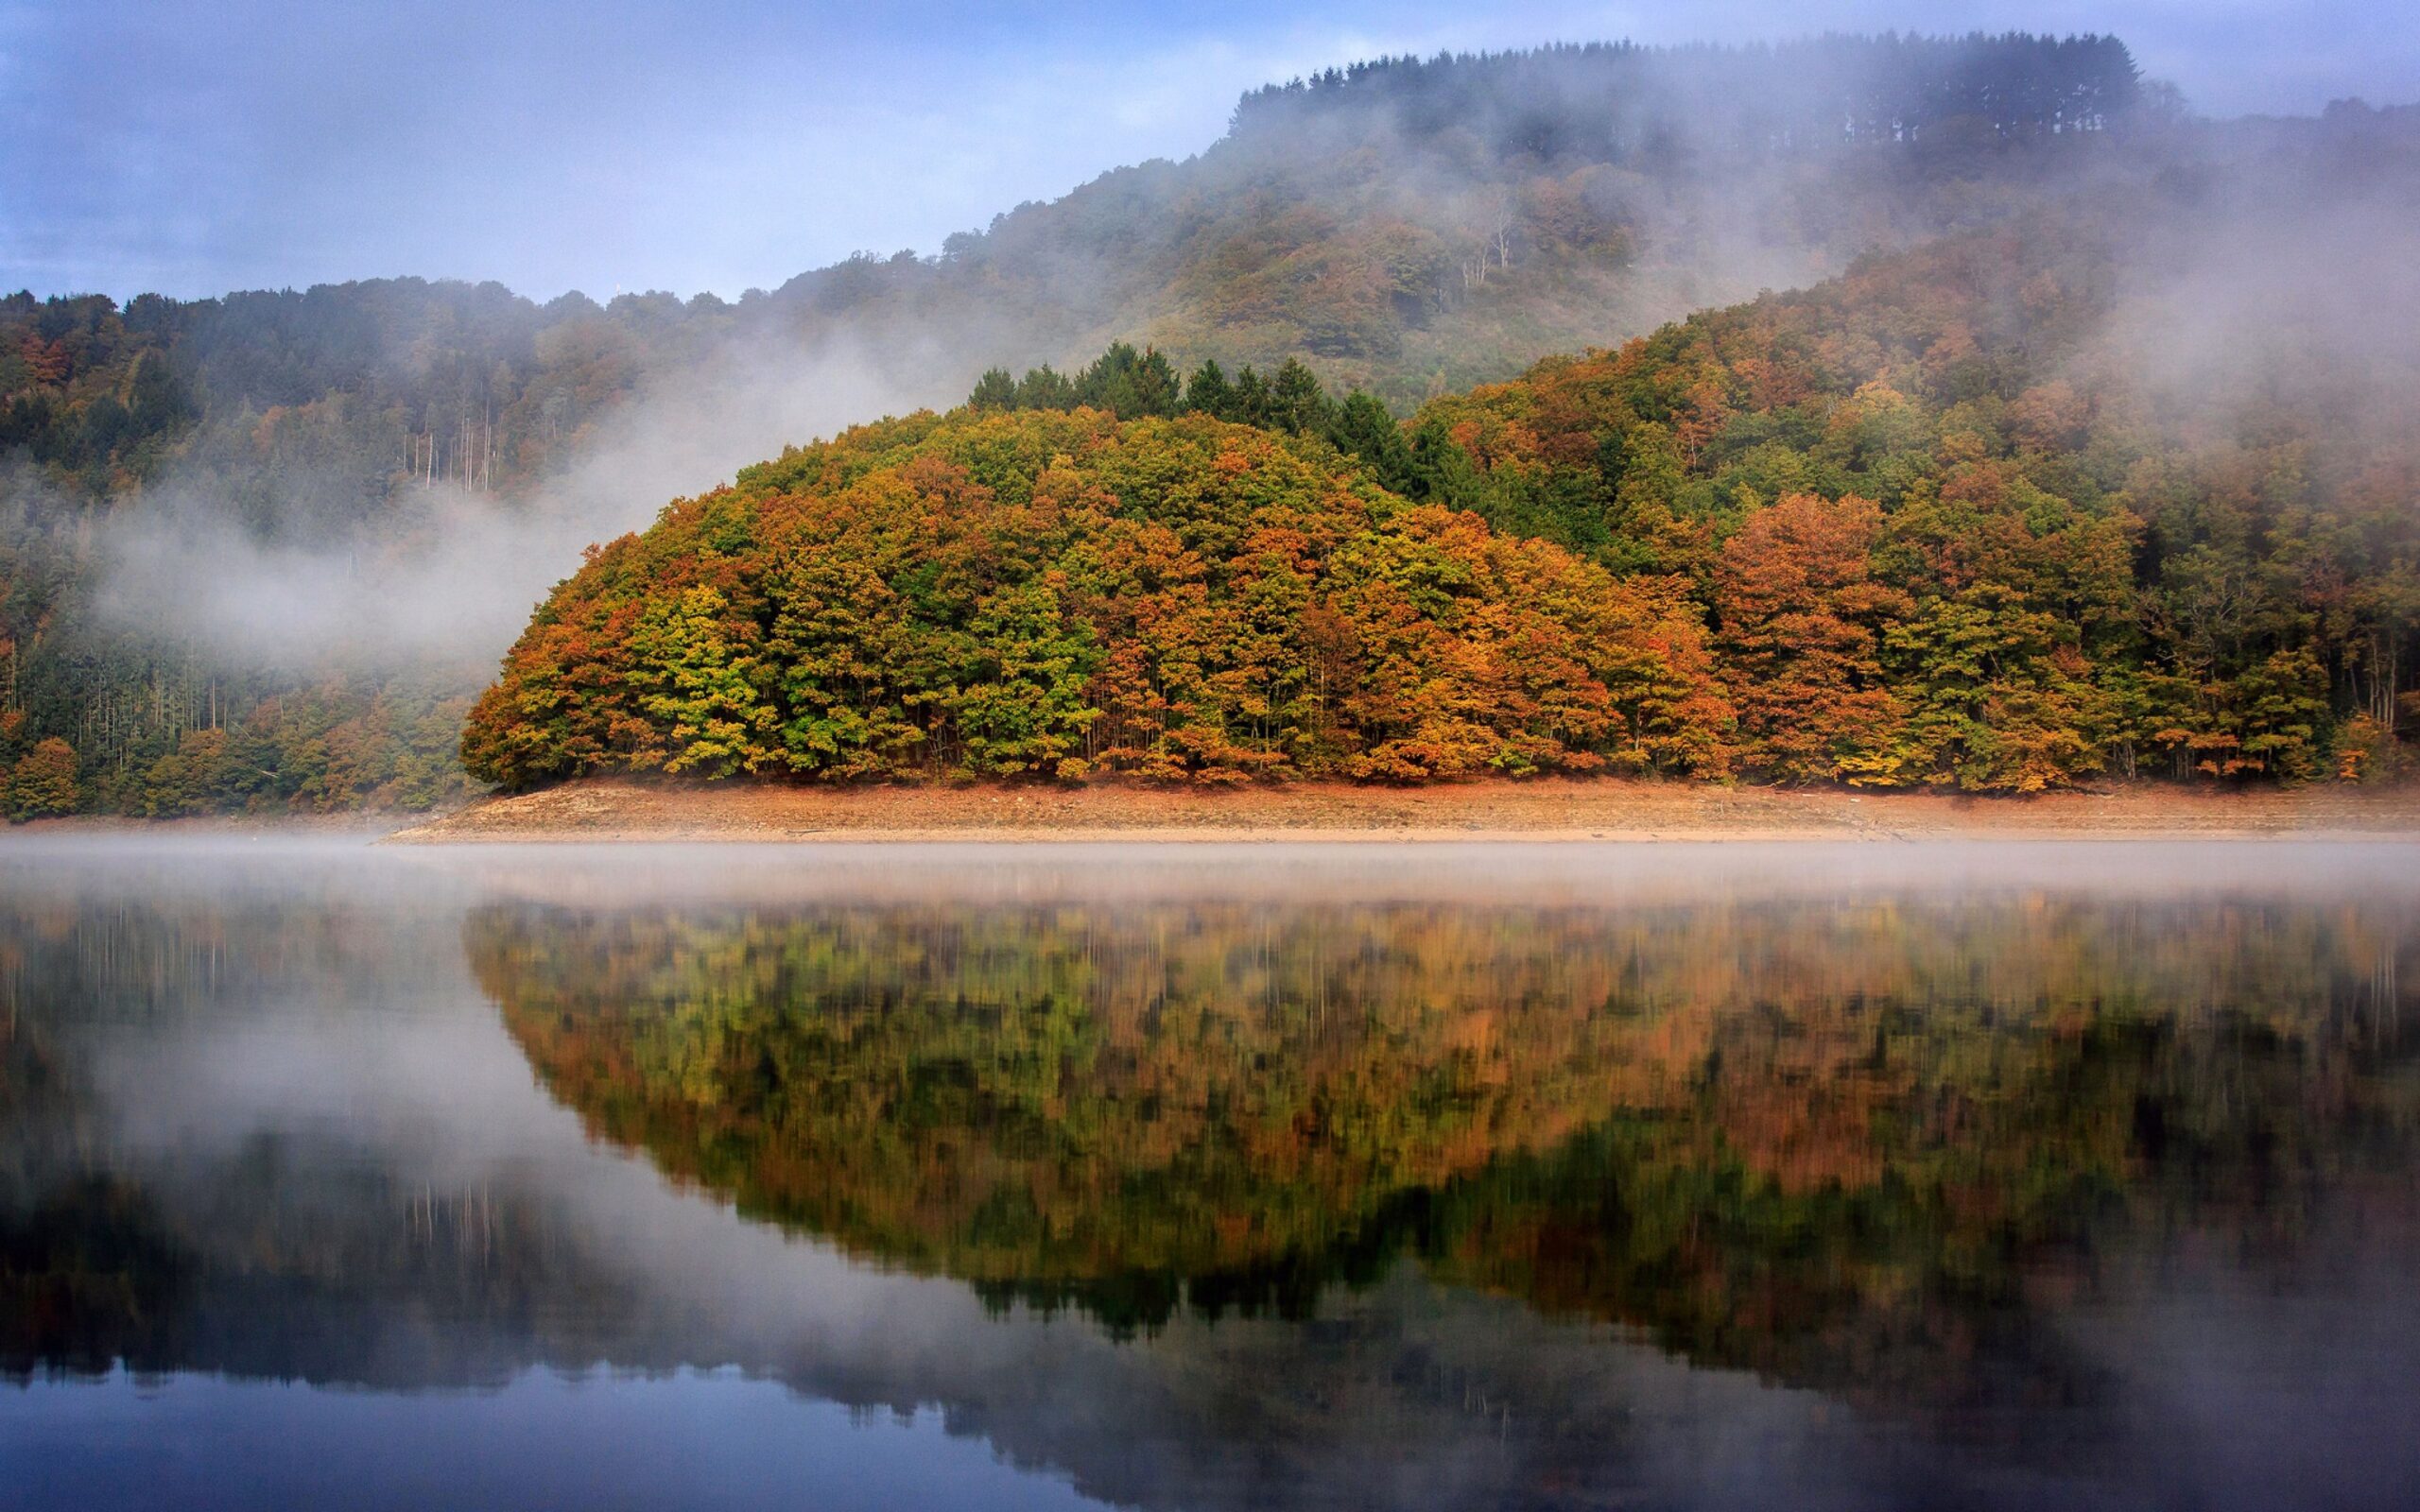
(1613, 102)
(370, 384)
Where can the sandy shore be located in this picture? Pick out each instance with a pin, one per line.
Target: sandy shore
(1549, 810)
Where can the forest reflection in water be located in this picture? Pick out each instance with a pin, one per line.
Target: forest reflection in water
(2047, 1162)
(1843, 1139)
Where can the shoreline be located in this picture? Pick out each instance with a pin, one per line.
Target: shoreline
(1539, 810)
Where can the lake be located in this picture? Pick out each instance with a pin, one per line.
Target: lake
(1209, 1177)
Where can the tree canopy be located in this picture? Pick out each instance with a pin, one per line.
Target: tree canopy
(1051, 593)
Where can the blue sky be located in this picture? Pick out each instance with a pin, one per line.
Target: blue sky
(191, 149)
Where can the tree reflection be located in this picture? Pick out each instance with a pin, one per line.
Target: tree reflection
(1861, 1143)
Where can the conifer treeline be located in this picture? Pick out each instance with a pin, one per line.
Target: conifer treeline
(1136, 385)
(1612, 102)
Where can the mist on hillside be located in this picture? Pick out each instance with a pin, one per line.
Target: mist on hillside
(1410, 228)
(440, 569)
(383, 478)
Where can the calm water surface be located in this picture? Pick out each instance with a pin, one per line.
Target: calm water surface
(2011, 1176)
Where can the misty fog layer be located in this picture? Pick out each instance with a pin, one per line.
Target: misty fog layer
(438, 572)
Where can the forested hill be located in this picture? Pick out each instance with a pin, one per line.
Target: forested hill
(1957, 518)
(1409, 226)
(343, 498)
(1939, 522)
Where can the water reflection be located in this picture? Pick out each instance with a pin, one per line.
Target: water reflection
(1269, 1179)
(1848, 1141)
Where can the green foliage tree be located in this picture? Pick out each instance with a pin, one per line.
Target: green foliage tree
(995, 390)
(193, 779)
(1043, 389)
(1207, 392)
(1297, 401)
(700, 685)
(1020, 707)
(1363, 428)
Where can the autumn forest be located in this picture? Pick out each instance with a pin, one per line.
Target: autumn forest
(1392, 458)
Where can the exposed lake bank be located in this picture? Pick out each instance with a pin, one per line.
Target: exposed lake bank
(1542, 810)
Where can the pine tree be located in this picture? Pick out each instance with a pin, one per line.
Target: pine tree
(995, 390)
(1251, 405)
(1209, 393)
(1363, 428)
(1297, 401)
(1044, 388)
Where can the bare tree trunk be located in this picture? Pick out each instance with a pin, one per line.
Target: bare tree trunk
(2389, 672)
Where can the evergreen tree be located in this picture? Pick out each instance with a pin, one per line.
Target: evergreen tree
(1209, 393)
(1363, 428)
(1157, 389)
(1108, 382)
(1044, 388)
(1251, 399)
(1297, 401)
(1129, 384)
(995, 390)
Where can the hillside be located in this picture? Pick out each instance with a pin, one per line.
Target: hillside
(1924, 525)
(258, 550)
(1052, 594)
(1957, 518)
(1954, 519)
